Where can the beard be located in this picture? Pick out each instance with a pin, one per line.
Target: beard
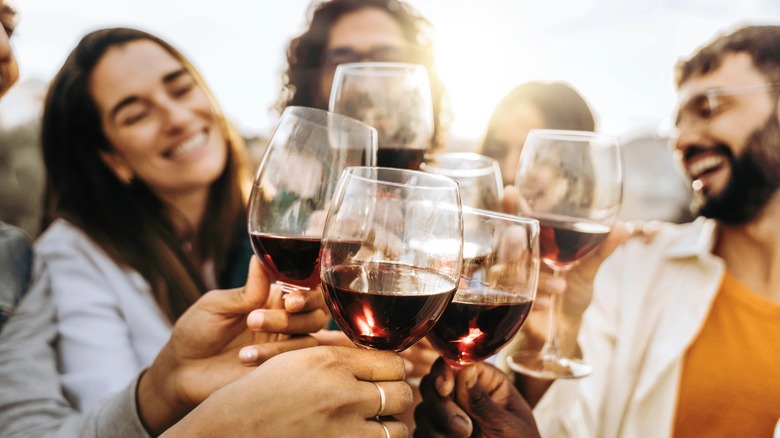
(755, 177)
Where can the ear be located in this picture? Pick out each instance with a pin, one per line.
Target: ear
(117, 165)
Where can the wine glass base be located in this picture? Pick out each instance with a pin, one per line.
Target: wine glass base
(547, 366)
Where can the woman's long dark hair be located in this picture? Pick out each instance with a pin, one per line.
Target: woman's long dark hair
(131, 223)
(304, 55)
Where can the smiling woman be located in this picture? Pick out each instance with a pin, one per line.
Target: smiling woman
(143, 200)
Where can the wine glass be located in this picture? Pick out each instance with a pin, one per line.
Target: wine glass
(478, 176)
(391, 254)
(497, 287)
(571, 181)
(395, 98)
(295, 182)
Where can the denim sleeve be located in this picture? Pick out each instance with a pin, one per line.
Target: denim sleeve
(15, 269)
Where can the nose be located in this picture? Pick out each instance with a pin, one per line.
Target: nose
(177, 116)
(687, 135)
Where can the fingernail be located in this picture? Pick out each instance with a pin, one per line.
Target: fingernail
(294, 303)
(460, 425)
(471, 377)
(255, 319)
(248, 354)
(440, 382)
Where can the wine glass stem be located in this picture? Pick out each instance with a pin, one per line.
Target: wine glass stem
(550, 347)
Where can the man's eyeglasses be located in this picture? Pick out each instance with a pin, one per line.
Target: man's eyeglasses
(342, 55)
(705, 106)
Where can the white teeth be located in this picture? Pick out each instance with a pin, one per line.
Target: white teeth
(189, 145)
(703, 165)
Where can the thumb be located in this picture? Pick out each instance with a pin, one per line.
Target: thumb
(476, 399)
(244, 299)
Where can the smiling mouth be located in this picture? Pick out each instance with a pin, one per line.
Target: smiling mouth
(704, 166)
(189, 145)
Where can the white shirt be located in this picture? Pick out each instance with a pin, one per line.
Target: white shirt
(110, 325)
(649, 303)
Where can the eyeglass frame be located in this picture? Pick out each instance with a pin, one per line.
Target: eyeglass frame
(375, 54)
(712, 94)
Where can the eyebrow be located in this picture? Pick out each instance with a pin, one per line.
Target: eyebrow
(167, 79)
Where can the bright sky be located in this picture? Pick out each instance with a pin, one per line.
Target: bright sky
(618, 53)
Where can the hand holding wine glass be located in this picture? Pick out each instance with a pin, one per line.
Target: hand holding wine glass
(394, 98)
(391, 254)
(571, 181)
(294, 185)
(497, 287)
(478, 177)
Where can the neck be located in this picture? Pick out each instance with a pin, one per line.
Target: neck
(187, 211)
(752, 251)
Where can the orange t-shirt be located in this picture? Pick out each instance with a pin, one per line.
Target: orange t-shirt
(730, 383)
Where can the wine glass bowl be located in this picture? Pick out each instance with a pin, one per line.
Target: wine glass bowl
(391, 254)
(497, 287)
(478, 176)
(395, 98)
(293, 187)
(571, 181)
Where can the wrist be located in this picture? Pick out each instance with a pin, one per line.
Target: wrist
(158, 402)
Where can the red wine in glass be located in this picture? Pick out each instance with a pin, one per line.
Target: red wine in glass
(295, 260)
(379, 305)
(475, 326)
(564, 240)
(400, 158)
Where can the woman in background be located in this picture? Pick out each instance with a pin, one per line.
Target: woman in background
(144, 204)
(532, 105)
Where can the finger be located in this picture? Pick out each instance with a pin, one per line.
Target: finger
(552, 284)
(241, 300)
(541, 302)
(444, 378)
(475, 398)
(298, 301)
(253, 355)
(510, 201)
(397, 397)
(281, 321)
(448, 416)
(373, 365)
(372, 428)
(425, 427)
(332, 337)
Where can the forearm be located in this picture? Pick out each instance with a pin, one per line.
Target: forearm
(159, 407)
(567, 344)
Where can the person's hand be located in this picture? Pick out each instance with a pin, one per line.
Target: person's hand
(298, 311)
(201, 355)
(320, 391)
(476, 401)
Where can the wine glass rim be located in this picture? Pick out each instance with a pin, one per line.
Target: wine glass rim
(503, 216)
(308, 114)
(489, 165)
(361, 66)
(444, 182)
(568, 134)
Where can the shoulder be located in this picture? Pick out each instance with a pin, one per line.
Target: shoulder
(676, 240)
(64, 242)
(76, 262)
(62, 233)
